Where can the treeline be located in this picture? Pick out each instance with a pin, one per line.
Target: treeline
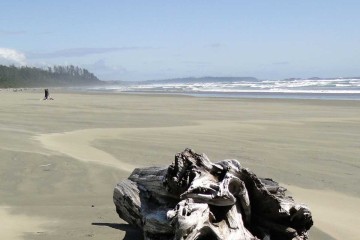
(24, 76)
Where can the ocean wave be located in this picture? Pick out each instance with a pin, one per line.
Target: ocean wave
(296, 86)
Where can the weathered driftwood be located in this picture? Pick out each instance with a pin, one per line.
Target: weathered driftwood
(196, 199)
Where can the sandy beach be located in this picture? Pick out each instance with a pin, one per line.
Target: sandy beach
(61, 159)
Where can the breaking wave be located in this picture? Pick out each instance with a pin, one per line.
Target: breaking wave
(340, 86)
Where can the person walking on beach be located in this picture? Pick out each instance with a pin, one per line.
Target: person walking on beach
(47, 95)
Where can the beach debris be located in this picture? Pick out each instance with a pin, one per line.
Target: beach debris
(45, 165)
(194, 198)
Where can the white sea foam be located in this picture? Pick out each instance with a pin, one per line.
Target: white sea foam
(296, 86)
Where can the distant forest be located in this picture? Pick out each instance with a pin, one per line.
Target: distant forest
(12, 76)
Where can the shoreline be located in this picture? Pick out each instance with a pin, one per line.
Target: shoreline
(244, 94)
(341, 96)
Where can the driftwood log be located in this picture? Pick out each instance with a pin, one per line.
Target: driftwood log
(196, 199)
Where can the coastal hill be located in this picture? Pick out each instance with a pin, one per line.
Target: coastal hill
(57, 76)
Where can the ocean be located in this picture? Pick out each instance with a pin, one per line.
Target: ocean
(339, 88)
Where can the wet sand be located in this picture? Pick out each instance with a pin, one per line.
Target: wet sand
(61, 159)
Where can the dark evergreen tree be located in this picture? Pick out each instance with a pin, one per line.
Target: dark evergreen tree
(12, 76)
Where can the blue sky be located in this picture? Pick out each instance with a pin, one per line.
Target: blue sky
(153, 39)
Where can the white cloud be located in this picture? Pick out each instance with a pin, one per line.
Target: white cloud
(81, 52)
(11, 56)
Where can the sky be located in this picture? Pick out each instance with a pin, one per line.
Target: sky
(160, 39)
